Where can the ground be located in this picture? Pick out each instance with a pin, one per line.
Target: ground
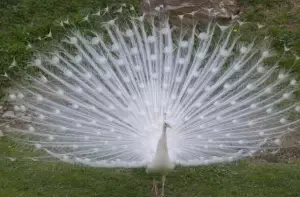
(22, 21)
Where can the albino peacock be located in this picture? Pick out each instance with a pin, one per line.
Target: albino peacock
(144, 94)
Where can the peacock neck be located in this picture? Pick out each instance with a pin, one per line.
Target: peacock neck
(163, 139)
(161, 161)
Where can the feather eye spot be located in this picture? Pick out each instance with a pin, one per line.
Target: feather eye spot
(99, 89)
(165, 30)
(167, 69)
(59, 92)
(151, 39)
(181, 60)
(260, 69)
(31, 129)
(86, 138)
(115, 47)
(41, 117)
(68, 73)
(250, 86)
(50, 137)
(207, 88)
(39, 98)
(75, 146)
(266, 54)
(268, 90)
(243, 50)
(12, 97)
(184, 44)
(95, 40)
(63, 128)
(129, 33)
(73, 40)
(75, 106)
(101, 59)
(153, 57)
(16, 108)
(200, 55)
(283, 121)
(250, 123)
(134, 50)
(233, 102)
(224, 52)
(237, 67)
(281, 76)
(286, 95)
(77, 59)
(219, 118)
(38, 146)
(214, 70)
(277, 142)
(227, 86)
(23, 108)
(178, 79)
(55, 60)
(38, 62)
(293, 82)
(203, 36)
(269, 110)
(120, 62)
(168, 49)
(43, 79)
(78, 89)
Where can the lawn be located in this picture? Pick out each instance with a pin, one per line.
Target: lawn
(23, 21)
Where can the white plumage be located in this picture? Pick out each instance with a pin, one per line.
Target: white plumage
(100, 100)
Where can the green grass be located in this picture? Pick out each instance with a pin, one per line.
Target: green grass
(25, 20)
(244, 178)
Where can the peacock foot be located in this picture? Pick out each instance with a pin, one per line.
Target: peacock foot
(155, 187)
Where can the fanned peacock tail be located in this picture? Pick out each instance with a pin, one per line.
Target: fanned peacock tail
(100, 100)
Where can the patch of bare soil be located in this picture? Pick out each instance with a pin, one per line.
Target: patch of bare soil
(290, 150)
(200, 10)
(284, 155)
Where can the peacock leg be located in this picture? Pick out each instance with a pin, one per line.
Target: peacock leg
(163, 180)
(155, 188)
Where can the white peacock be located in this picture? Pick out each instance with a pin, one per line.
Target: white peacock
(150, 95)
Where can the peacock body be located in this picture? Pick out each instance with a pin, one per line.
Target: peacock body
(161, 162)
(144, 94)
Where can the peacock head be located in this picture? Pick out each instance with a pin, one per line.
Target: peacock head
(167, 125)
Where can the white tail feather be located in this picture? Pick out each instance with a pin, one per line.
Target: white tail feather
(101, 102)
